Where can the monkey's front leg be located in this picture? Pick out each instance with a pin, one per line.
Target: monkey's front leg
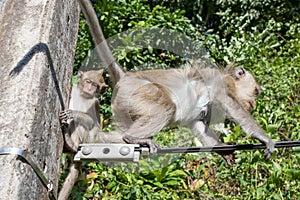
(83, 119)
(208, 138)
(248, 124)
(67, 120)
(78, 126)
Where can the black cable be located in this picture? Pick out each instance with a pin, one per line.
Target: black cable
(227, 147)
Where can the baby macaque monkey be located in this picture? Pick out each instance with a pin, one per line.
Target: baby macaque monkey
(146, 101)
(82, 117)
(82, 120)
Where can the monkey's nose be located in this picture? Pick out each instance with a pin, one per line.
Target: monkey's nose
(89, 87)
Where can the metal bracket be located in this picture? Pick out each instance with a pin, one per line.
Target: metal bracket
(110, 152)
(23, 154)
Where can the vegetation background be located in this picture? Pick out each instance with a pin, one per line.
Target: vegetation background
(261, 35)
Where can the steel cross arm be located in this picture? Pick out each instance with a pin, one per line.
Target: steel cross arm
(233, 147)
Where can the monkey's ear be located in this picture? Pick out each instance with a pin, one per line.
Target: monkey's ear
(100, 71)
(240, 73)
(229, 69)
(99, 77)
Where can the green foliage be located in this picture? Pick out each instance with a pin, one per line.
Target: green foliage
(84, 44)
(262, 36)
(119, 16)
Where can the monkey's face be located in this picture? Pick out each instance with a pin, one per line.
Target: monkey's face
(91, 83)
(247, 89)
(89, 88)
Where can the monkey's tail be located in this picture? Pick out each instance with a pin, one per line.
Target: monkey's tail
(114, 69)
(69, 182)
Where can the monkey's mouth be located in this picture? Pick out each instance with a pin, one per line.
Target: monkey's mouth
(87, 94)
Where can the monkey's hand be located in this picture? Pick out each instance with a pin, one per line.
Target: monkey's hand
(230, 155)
(153, 146)
(265, 139)
(270, 147)
(66, 116)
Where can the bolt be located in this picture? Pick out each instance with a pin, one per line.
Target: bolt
(124, 151)
(86, 151)
(106, 150)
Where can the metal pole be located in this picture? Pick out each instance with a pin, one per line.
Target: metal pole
(227, 147)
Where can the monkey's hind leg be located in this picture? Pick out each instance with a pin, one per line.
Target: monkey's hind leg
(150, 109)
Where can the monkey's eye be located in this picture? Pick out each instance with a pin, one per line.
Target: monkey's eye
(239, 73)
(89, 82)
(95, 84)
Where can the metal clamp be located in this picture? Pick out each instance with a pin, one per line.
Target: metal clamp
(23, 154)
(110, 152)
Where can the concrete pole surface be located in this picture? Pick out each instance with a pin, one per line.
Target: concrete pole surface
(37, 47)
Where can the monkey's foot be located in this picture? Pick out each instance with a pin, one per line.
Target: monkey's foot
(66, 116)
(229, 156)
(153, 146)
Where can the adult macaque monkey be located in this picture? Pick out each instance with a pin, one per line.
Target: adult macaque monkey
(82, 120)
(146, 101)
